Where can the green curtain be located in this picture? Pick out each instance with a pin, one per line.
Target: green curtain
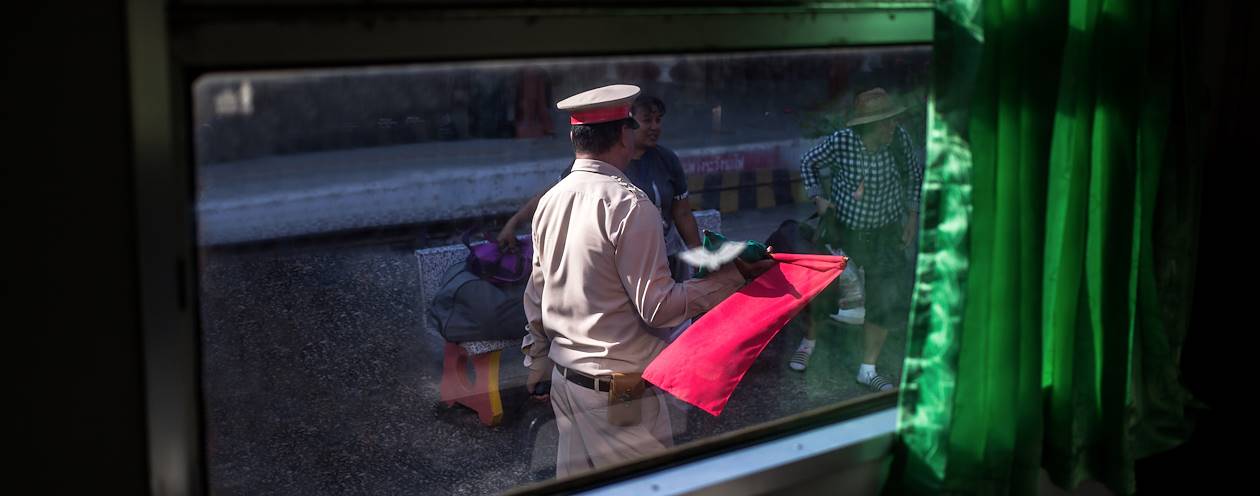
(1036, 338)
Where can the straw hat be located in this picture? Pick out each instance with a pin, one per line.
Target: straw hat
(873, 105)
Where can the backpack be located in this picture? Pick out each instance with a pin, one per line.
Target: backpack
(471, 308)
(794, 236)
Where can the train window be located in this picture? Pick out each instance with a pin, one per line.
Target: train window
(336, 209)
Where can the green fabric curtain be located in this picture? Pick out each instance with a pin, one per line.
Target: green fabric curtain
(1036, 339)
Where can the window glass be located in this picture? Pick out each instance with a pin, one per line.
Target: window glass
(333, 206)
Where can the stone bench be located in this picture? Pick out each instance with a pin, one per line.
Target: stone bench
(482, 392)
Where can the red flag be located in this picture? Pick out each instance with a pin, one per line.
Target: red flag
(703, 366)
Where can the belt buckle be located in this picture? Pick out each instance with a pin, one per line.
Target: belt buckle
(594, 380)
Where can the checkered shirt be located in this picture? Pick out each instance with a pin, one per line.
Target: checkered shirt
(886, 196)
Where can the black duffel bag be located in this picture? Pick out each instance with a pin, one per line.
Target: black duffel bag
(470, 308)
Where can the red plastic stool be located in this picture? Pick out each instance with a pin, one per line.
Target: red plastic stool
(482, 393)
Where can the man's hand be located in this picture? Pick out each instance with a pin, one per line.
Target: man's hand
(910, 229)
(507, 239)
(821, 204)
(857, 195)
(535, 377)
(750, 271)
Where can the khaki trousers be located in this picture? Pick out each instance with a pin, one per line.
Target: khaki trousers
(588, 441)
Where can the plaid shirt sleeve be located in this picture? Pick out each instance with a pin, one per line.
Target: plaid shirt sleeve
(915, 164)
(809, 167)
(831, 151)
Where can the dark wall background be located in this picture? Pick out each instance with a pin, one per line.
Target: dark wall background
(70, 241)
(1222, 62)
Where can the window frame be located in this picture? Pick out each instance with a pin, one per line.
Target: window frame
(170, 44)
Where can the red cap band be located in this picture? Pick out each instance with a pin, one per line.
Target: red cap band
(596, 116)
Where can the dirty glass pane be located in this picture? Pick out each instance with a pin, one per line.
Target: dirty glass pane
(333, 206)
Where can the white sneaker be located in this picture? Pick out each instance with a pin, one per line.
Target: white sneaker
(855, 315)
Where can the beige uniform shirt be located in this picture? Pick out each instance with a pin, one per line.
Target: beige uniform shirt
(600, 278)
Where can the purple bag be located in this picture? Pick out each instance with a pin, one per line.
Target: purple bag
(488, 262)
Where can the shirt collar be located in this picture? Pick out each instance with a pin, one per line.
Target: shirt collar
(597, 166)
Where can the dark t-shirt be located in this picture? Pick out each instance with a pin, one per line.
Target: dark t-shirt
(658, 173)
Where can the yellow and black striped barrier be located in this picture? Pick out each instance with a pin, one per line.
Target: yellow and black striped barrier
(745, 190)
